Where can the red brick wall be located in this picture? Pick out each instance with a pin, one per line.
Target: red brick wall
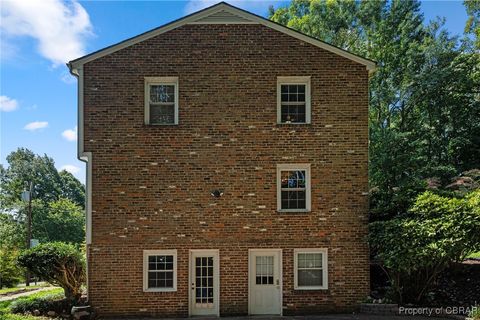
(151, 184)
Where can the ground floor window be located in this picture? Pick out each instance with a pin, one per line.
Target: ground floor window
(310, 269)
(160, 270)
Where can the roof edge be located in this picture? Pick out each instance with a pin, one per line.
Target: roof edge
(74, 64)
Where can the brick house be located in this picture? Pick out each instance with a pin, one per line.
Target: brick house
(226, 170)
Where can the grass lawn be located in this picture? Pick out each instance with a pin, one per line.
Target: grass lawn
(5, 312)
(475, 255)
(21, 289)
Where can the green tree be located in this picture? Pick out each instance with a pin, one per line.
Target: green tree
(72, 189)
(60, 220)
(10, 273)
(48, 184)
(472, 26)
(11, 231)
(58, 201)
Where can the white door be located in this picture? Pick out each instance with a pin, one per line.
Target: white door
(265, 281)
(204, 283)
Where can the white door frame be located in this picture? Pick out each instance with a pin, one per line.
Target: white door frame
(280, 275)
(216, 278)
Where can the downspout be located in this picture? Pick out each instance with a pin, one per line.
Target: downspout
(87, 158)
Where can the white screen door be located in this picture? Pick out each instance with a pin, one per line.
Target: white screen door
(204, 282)
(265, 292)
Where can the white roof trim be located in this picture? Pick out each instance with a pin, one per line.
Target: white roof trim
(223, 17)
(201, 17)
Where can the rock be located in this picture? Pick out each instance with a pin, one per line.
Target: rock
(36, 312)
(51, 313)
(81, 312)
(80, 315)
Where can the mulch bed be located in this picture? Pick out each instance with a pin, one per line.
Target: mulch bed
(457, 286)
(460, 284)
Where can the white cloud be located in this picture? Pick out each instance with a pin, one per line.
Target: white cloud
(8, 104)
(250, 5)
(70, 168)
(59, 27)
(36, 125)
(70, 134)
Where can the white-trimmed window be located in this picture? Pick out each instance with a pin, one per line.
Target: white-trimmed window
(161, 100)
(310, 269)
(293, 100)
(293, 187)
(160, 270)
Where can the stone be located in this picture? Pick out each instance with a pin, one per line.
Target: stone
(80, 315)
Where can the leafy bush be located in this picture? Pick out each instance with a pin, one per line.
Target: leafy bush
(59, 264)
(415, 248)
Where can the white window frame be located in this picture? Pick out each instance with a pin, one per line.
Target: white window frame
(148, 253)
(308, 189)
(149, 81)
(306, 80)
(324, 252)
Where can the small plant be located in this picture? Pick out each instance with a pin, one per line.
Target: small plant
(475, 313)
(58, 263)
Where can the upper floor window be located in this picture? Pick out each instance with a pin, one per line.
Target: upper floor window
(161, 100)
(293, 100)
(293, 187)
(160, 270)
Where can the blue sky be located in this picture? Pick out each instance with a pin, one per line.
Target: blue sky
(38, 96)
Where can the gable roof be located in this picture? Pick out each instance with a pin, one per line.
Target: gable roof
(221, 13)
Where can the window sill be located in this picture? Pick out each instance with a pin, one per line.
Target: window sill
(161, 124)
(293, 123)
(160, 290)
(310, 288)
(293, 210)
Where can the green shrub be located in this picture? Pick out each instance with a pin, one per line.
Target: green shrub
(5, 306)
(475, 313)
(58, 263)
(415, 248)
(55, 302)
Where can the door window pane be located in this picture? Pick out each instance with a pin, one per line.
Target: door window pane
(204, 280)
(264, 270)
